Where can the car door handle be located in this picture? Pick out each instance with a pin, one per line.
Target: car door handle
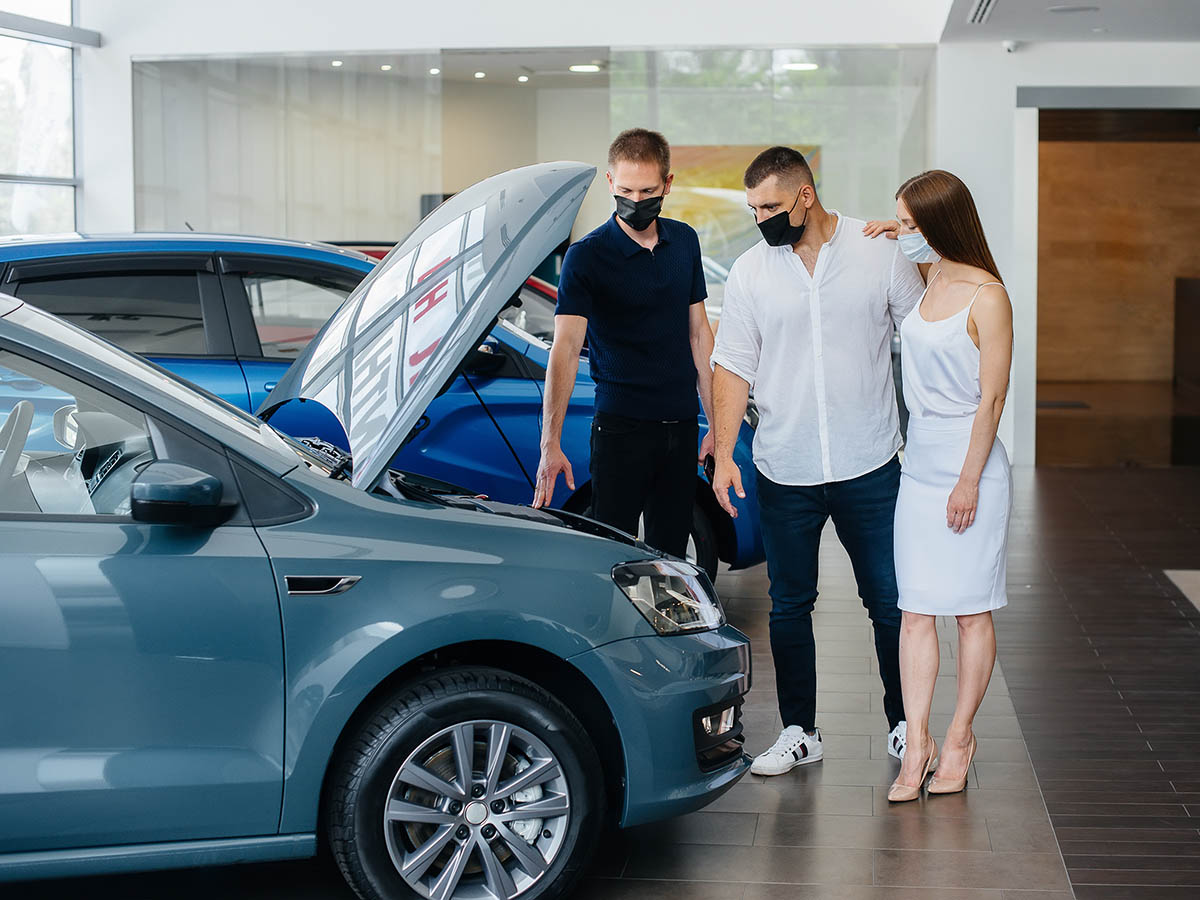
(309, 585)
(270, 385)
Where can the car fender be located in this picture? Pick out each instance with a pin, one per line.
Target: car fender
(327, 696)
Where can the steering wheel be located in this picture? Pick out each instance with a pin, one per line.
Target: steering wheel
(13, 433)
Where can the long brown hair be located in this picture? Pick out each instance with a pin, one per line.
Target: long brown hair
(944, 211)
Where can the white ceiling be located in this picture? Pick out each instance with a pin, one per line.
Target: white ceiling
(1115, 20)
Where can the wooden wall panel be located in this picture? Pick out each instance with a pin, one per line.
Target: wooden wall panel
(1118, 224)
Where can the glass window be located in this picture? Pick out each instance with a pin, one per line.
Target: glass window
(147, 314)
(35, 107)
(58, 11)
(288, 312)
(65, 448)
(36, 208)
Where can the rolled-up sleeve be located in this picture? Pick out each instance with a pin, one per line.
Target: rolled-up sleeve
(906, 287)
(739, 343)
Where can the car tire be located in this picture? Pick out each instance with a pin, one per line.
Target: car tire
(704, 537)
(386, 766)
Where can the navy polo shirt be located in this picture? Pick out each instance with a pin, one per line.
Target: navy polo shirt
(637, 303)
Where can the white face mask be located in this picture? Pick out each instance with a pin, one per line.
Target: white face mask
(916, 248)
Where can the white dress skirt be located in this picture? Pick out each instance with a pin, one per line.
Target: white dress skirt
(938, 572)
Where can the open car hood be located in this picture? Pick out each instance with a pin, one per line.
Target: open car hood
(383, 356)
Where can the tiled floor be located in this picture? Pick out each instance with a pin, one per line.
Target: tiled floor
(1101, 651)
(1097, 686)
(827, 830)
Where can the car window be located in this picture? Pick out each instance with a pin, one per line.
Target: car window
(150, 314)
(65, 447)
(534, 316)
(288, 311)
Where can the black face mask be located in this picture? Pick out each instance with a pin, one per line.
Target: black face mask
(640, 215)
(779, 230)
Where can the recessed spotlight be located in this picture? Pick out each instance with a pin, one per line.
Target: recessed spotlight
(481, 74)
(435, 71)
(1069, 8)
(585, 68)
(801, 67)
(385, 68)
(522, 78)
(337, 63)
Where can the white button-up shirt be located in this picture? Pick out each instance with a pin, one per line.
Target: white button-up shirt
(816, 351)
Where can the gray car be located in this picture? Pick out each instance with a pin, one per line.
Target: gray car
(220, 644)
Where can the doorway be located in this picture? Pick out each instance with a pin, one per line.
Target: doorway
(1118, 296)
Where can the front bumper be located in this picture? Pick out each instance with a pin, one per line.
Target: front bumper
(655, 687)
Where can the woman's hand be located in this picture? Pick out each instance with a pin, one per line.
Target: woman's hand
(960, 511)
(890, 227)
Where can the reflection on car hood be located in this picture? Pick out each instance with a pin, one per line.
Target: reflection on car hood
(380, 360)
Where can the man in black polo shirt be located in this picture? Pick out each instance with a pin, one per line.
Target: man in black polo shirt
(635, 288)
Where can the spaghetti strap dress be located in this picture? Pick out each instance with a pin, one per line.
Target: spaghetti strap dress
(938, 572)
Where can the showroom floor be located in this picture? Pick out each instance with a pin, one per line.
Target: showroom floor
(1092, 712)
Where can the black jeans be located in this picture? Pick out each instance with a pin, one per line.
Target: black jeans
(792, 518)
(645, 468)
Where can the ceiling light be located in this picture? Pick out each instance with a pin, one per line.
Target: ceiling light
(481, 74)
(1067, 8)
(337, 63)
(385, 68)
(585, 67)
(801, 67)
(522, 78)
(435, 71)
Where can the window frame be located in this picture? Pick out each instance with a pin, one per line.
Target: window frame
(233, 267)
(218, 340)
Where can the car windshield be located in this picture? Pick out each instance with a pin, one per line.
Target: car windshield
(534, 316)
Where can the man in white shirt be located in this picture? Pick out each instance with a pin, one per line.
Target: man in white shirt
(807, 325)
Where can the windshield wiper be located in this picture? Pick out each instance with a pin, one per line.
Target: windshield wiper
(340, 463)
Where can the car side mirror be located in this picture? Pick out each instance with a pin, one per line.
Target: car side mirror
(168, 493)
(485, 359)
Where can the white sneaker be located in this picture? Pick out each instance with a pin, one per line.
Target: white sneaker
(898, 740)
(795, 747)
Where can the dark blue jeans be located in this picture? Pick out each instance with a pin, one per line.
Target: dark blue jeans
(792, 518)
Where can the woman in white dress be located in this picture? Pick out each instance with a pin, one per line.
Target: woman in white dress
(956, 487)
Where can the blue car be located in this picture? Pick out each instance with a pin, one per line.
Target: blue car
(232, 313)
(221, 644)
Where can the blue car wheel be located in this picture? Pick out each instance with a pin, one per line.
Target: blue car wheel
(472, 783)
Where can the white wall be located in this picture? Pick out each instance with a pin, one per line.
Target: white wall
(981, 136)
(486, 129)
(574, 124)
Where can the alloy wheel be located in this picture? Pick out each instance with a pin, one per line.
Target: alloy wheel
(479, 811)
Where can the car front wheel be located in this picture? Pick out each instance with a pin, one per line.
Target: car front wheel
(471, 784)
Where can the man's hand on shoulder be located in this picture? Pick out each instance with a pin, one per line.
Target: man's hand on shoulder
(876, 227)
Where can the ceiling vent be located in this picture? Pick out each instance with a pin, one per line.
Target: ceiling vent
(981, 11)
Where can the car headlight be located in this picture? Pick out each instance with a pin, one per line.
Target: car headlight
(675, 597)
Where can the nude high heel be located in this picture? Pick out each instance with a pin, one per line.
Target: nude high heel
(900, 793)
(941, 786)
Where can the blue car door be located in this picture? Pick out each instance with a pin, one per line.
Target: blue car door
(165, 306)
(143, 664)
